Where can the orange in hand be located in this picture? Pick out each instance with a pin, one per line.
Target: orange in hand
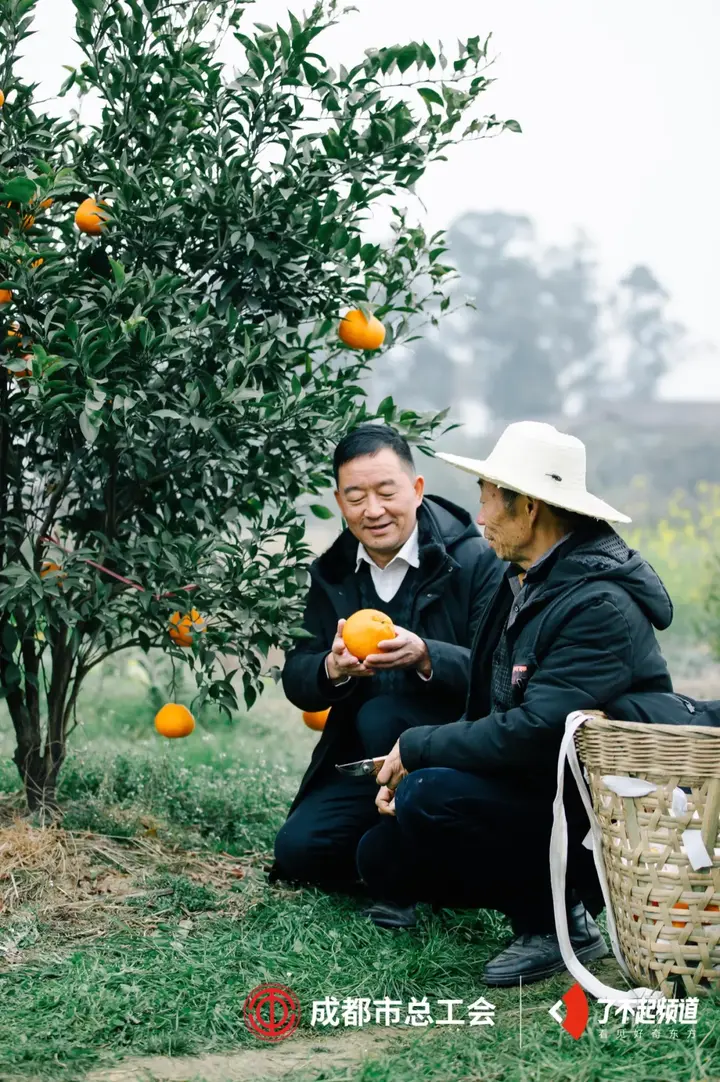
(315, 719)
(174, 720)
(364, 630)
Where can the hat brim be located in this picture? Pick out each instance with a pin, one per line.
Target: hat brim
(583, 503)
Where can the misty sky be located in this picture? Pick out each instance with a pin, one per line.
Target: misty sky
(617, 99)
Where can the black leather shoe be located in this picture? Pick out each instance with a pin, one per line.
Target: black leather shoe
(536, 957)
(390, 915)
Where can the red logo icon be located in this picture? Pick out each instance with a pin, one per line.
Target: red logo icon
(272, 1012)
(576, 1014)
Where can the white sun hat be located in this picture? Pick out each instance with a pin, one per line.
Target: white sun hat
(535, 459)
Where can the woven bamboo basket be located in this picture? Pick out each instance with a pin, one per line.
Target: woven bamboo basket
(667, 913)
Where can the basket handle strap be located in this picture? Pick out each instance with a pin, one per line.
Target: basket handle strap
(558, 874)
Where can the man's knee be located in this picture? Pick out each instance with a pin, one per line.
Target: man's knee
(311, 855)
(423, 795)
(292, 851)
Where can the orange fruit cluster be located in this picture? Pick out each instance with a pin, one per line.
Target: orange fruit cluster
(364, 630)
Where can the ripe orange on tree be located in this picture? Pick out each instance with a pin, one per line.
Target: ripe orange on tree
(315, 719)
(2, 99)
(359, 332)
(364, 630)
(183, 628)
(174, 720)
(47, 567)
(90, 217)
(5, 296)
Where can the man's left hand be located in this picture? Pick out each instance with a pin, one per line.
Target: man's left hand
(406, 651)
(392, 771)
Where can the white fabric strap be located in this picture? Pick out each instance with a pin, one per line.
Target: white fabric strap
(558, 874)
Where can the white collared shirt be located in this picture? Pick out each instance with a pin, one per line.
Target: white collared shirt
(388, 580)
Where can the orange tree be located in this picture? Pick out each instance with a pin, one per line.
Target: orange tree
(171, 380)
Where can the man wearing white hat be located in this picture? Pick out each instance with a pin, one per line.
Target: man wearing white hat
(571, 627)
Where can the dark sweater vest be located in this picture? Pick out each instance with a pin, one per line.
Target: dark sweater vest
(399, 609)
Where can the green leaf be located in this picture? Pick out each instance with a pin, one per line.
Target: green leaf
(19, 190)
(88, 429)
(386, 409)
(430, 95)
(320, 511)
(118, 271)
(407, 56)
(512, 125)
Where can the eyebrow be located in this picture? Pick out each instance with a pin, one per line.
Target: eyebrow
(356, 488)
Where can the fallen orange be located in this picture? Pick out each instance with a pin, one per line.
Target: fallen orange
(359, 332)
(174, 720)
(364, 630)
(315, 719)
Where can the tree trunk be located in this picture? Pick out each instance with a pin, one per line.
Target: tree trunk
(39, 779)
(39, 765)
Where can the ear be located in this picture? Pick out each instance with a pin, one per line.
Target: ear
(532, 508)
(338, 499)
(419, 486)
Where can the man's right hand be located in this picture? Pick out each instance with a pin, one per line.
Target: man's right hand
(340, 662)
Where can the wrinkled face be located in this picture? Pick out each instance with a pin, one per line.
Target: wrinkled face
(509, 532)
(379, 499)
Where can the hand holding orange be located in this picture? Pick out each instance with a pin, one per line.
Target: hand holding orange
(364, 630)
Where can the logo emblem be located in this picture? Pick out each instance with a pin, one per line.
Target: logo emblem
(272, 1012)
(577, 1011)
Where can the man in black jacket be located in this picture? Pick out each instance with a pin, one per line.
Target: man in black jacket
(571, 627)
(422, 561)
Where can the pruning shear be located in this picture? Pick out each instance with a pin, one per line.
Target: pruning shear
(361, 767)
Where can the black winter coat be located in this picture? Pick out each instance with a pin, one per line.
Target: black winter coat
(583, 639)
(458, 576)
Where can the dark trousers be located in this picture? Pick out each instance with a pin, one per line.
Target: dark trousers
(318, 842)
(462, 840)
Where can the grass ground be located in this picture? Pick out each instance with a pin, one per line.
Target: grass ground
(139, 929)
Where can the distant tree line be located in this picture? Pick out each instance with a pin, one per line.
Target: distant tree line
(539, 336)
